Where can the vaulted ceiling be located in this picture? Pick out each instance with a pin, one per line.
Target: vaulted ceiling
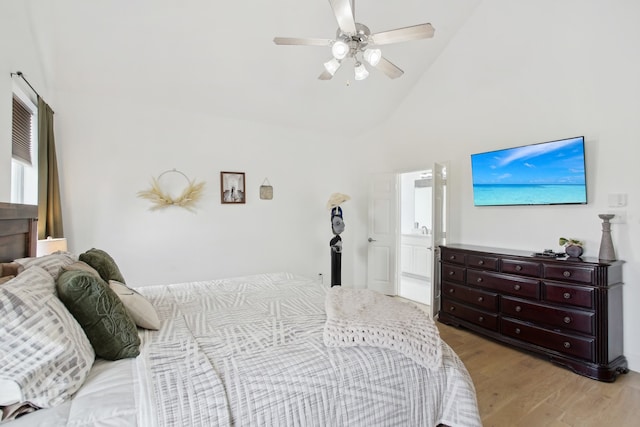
(219, 57)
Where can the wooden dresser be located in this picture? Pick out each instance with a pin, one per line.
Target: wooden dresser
(569, 310)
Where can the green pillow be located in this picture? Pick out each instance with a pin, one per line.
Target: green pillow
(103, 317)
(103, 263)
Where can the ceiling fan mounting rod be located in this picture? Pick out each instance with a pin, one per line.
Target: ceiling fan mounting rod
(358, 41)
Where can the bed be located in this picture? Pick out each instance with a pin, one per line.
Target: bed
(249, 351)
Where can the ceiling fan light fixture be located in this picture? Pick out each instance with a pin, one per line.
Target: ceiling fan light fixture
(372, 56)
(332, 66)
(339, 49)
(360, 71)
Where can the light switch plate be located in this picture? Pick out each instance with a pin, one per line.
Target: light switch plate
(617, 200)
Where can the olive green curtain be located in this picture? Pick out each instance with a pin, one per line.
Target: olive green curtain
(49, 205)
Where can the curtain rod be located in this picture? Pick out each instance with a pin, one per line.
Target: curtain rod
(19, 74)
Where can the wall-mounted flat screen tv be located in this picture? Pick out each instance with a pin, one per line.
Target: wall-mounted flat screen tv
(548, 173)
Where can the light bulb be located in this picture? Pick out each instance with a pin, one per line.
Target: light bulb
(361, 72)
(332, 66)
(372, 56)
(339, 49)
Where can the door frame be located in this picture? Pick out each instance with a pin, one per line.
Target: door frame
(435, 253)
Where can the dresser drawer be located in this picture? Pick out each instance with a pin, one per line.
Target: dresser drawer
(557, 341)
(453, 272)
(579, 296)
(484, 299)
(513, 285)
(475, 316)
(575, 320)
(482, 261)
(569, 273)
(523, 268)
(453, 257)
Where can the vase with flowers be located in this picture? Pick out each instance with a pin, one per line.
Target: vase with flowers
(572, 247)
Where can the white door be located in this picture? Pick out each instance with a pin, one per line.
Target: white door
(438, 232)
(383, 235)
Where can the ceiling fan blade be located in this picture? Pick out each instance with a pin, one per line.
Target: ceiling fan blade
(325, 75)
(301, 41)
(387, 67)
(415, 32)
(344, 15)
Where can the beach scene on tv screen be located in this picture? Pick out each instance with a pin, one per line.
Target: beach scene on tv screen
(539, 174)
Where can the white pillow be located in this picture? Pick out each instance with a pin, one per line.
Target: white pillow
(45, 355)
(139, 308)
(52, 263)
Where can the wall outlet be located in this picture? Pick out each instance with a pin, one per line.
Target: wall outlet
(320, 278)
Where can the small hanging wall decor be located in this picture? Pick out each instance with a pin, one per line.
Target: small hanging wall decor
(266, 190)
(160, 198)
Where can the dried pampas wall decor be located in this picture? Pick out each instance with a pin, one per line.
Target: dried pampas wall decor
(159, 199)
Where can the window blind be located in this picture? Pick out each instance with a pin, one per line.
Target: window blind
(21, 131)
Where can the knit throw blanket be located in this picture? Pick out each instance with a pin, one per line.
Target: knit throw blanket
(361, 317)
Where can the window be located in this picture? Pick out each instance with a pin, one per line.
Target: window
(24, 161)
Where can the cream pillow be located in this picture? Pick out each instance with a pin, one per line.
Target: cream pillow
(139, 308)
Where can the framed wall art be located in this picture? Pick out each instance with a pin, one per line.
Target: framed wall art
(232, 187)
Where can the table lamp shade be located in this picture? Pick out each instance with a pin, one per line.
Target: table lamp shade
(50, 245)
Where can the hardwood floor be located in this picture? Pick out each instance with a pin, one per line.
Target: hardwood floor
(515, 388)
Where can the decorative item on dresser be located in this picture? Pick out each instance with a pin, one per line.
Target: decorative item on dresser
(607, 253)
(567, 309)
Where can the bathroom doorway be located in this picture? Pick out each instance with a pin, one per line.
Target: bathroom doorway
(422, 216)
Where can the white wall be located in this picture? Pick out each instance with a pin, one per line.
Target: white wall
(527, 72)
(109, 149)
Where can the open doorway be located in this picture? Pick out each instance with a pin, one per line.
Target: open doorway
(422, 213)
(415, 236)
(406, 225)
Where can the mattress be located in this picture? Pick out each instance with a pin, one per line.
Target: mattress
(249, 351)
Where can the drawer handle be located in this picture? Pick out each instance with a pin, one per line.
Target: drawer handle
(518, 268)
(480, 319)
(518, 331)
(451, 290)
(480, 299)
(452, 257)
(566, 274)
(518, 308)
(481, 262)
(567, 320)
(567, 344)
(452, 308)
(479, 280)
(451, 273)
(566, 295)
(516, 287)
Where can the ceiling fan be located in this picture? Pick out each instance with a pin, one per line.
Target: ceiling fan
(354, 40)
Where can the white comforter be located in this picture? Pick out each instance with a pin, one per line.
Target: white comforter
(249, 351)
